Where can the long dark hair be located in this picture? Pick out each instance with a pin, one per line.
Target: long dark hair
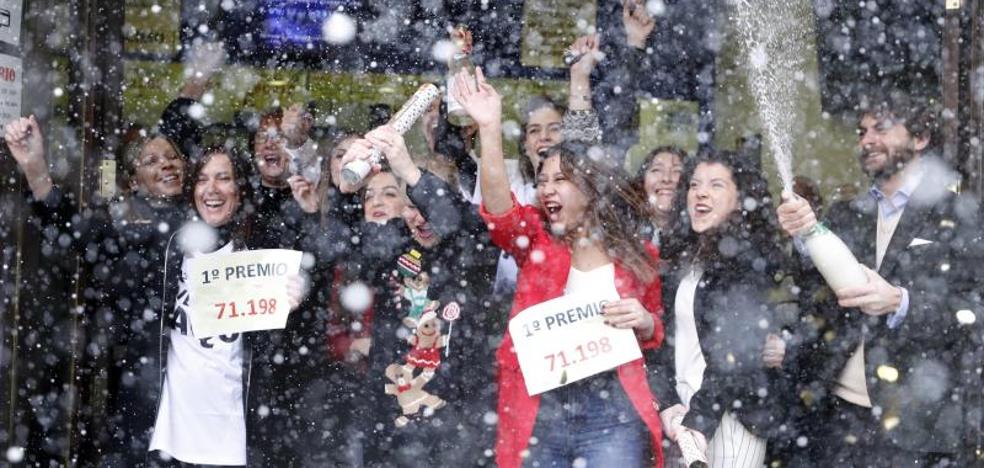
(239, 229)
(750, 233)
(617, 211)
(640, 175)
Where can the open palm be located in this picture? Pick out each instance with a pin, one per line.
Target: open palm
(479, 98)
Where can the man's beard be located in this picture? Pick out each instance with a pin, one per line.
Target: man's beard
(895, 160)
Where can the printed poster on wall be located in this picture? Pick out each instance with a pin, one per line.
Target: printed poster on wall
(152, 27)
(11, 87)
(551, 26)
(10, 21)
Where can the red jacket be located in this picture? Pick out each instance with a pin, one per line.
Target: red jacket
(544, 264)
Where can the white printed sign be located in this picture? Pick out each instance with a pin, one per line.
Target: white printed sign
(11, 87)
(241, 291)
(10, 21)
(565, 340)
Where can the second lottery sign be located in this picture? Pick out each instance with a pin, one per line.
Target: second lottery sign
(565, 340)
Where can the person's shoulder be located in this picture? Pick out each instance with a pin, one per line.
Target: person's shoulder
(939, 185)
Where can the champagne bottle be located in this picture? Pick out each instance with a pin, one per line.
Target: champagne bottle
(460, 60)
(836, 263)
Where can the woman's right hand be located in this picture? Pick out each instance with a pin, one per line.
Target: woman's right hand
(671, 417)
(478, 98)
(795, 215)
(304, 192)
(360, 149)
(23, 137)
(589, 48)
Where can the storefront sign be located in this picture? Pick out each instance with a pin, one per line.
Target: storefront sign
(11, 13)
(11, 87)
(152, 27)
(551, 26)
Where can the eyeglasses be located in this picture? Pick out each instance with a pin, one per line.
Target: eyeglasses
(269, 135)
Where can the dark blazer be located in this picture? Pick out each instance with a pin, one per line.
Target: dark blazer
(733, 317)
(934, 254)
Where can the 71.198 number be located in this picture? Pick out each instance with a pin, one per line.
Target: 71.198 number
(581, 353)
(260, 307)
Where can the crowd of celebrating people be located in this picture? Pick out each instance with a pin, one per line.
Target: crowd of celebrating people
(422, 370)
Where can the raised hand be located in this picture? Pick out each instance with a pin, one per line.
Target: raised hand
(204, 59)
(638, 23)
(589, 48)
(304, 192)
(26, 144)
(296, 125)
(478, 98)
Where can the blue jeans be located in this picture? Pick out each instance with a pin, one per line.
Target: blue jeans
(589, 423)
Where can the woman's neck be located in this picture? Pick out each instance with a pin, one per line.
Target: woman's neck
(661, 219)
(586, 255)
(157, 201)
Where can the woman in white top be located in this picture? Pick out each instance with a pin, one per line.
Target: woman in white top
(716, 380)
(202, 415)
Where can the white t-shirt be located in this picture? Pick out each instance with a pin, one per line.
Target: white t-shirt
(688, 360)
(601, 279)
(201, 418)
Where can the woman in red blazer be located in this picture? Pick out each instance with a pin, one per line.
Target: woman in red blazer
(587, 233)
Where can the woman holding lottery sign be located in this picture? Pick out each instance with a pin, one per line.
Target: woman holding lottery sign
(203, 413)
(588, 233)
(719, 380)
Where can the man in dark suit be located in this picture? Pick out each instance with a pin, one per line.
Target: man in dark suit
(888, 366)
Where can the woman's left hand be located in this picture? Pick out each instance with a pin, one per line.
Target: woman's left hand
(629, 313)
(391, 143)
(304, 193)
(296, 290)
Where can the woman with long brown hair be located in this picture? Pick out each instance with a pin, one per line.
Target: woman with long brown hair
(586, 234)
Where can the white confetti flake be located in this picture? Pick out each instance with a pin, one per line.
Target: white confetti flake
(356, 297)
(339, 29)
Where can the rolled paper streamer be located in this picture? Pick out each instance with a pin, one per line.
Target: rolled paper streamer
(355, 171)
